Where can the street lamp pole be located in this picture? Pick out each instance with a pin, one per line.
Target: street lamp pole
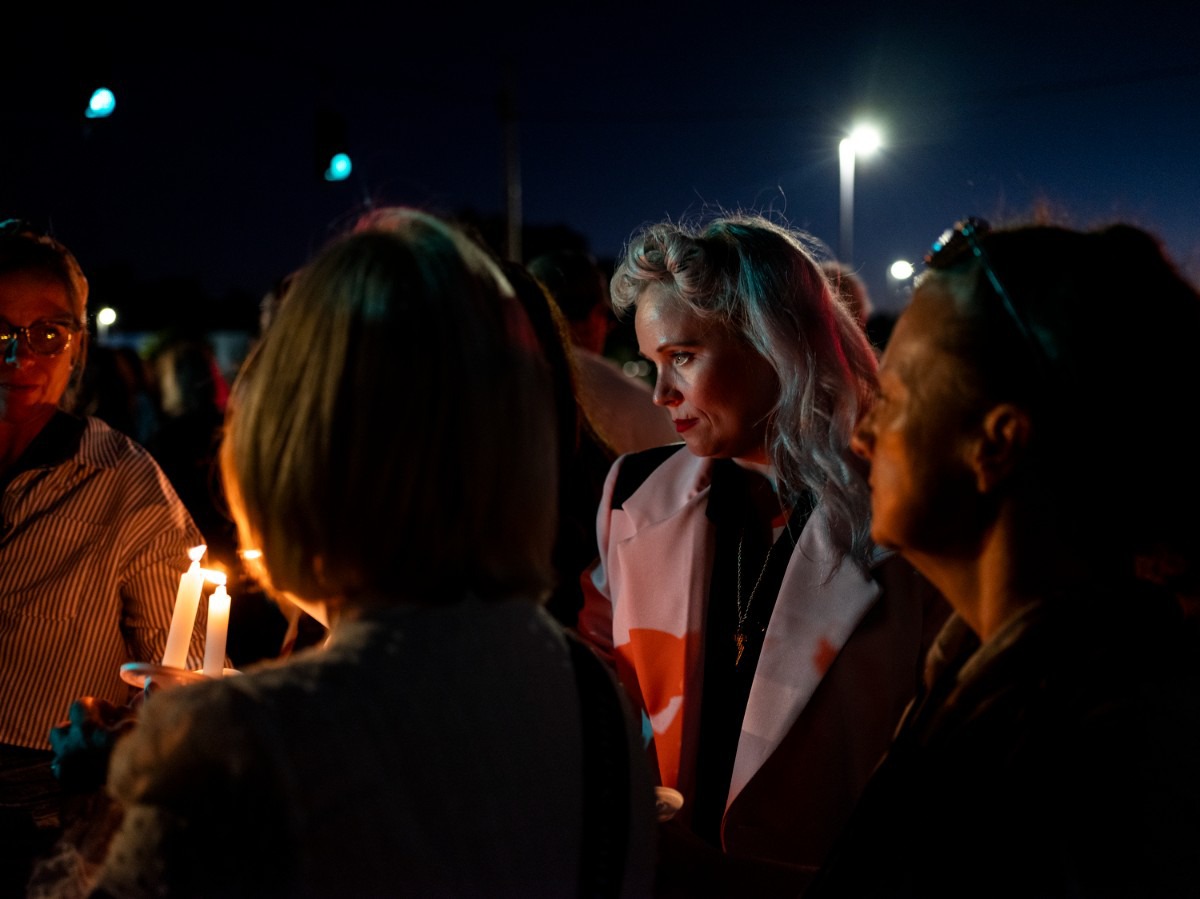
(846, 238)
(863, 141)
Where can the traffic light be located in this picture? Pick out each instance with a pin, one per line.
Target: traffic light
(332, 159)
(101, 104)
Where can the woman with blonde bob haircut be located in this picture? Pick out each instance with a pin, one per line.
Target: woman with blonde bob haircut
(349, 489)
(450, 738)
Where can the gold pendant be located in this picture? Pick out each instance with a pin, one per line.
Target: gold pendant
(740, 639)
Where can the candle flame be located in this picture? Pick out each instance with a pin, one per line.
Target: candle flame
(196, 553)
(250, 554)
(214, 576)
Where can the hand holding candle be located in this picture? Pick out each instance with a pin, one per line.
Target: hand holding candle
(218, 629)
(183, 619)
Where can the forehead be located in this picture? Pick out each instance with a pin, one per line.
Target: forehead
(33, 295)
(668, 319)
(913, 353)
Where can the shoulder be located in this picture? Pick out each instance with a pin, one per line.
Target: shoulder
(102, 446)
(119, 456)
(633, 469)
(181, 737)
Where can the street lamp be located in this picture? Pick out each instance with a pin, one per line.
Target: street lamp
(104, 320)
(863, 141)
(900, 275)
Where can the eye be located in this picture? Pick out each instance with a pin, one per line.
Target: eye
(680, 358)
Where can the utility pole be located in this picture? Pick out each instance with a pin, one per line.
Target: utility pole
(512, 165)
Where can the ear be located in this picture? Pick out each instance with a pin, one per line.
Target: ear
(1002, 439)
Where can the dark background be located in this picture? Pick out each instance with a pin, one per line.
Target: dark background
(200, 191)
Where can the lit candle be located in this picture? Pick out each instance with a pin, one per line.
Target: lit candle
(183, 619)
(218, 628)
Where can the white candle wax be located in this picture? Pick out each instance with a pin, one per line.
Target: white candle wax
(218, 629)
(183, 619)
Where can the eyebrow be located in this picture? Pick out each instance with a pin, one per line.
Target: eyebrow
(66, 320)
(675, 344)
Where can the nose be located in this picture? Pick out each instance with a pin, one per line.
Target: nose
(664, 393)
(862, 440)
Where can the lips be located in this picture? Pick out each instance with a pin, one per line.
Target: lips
(683, 424)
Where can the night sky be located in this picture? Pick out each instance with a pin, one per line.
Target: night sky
(201, 190)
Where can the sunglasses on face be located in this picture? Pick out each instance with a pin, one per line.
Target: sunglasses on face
(45, 337)
(965, 238)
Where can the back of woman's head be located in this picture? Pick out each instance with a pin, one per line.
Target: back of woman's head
(764, 282)
(187, 376)
(1105, 363)
(392, 434)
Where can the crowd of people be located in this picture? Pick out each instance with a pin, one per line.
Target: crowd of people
(895, 613)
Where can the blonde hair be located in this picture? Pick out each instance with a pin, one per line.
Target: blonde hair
(392, 434)
(761, 280)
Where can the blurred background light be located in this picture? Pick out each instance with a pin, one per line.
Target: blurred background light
(340, 167)
(101, 104)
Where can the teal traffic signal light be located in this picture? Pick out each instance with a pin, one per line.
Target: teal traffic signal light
(332, 157)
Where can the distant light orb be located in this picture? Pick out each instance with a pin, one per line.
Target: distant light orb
(636, 368)
(901, 270)
(106, 316)
(339, 168)
(102, 104)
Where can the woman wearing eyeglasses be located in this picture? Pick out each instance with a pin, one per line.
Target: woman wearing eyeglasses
(1032, 453)
(92, 537)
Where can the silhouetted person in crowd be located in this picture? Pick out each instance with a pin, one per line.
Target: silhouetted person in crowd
(621, 406)
(117, 389)
(584, 458)
(186, 445)
(879, 329)
(851, 289)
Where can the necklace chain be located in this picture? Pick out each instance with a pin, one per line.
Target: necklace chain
(739, 635)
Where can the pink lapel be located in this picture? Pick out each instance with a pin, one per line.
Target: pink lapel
(812, 620)
(660, 549)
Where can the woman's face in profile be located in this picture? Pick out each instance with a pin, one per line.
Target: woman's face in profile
(718, 390)
(31, 385)
(923, 496)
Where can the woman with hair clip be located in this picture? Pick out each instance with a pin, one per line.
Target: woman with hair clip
(449, 738)
(769, 646)
(1032, 454)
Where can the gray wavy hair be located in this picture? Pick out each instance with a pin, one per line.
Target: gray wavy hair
(763, 281)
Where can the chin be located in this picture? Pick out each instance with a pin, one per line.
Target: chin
(881, 539)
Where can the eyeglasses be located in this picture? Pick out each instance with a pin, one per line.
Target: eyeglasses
(950, 248)
(45, 337)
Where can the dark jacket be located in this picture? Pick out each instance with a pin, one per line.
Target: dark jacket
(1060, 759)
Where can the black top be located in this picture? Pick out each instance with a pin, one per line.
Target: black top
(727, 681)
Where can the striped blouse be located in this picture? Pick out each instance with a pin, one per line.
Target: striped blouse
(93, 541)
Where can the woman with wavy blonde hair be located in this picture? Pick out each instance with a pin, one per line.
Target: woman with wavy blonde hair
(769, 645)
